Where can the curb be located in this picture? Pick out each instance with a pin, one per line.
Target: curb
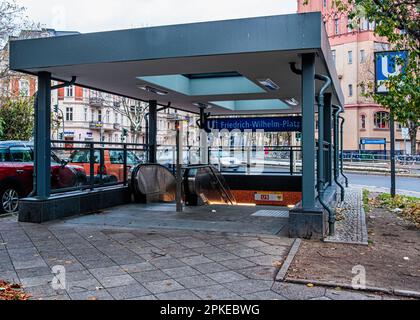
(395, 292)
(290, 257)
(384, 174)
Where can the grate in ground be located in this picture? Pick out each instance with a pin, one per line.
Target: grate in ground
(271, 214)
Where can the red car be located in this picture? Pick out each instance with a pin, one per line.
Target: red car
(16, 174)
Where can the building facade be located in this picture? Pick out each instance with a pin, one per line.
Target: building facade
(353, 48)
(86, 115)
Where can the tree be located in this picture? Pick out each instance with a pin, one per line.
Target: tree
(398, 21)
(135, 113)
(130, 109)
(18, 118)
(12, 20)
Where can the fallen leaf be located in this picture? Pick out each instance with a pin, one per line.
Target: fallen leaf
(310, 285)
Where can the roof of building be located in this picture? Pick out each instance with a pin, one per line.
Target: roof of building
(235, 66)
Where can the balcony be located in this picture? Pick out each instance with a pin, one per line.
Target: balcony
(96, 125)
(96, 102)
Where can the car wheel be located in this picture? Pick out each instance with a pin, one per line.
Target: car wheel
(9, 198)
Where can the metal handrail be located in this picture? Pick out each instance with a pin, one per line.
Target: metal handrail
(94, 146)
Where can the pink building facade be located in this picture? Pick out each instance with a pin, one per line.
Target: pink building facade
(353, 48)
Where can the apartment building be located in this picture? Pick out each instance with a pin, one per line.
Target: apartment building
(86, 115)
(353, 49)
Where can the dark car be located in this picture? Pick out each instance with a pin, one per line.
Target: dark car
(17, 169)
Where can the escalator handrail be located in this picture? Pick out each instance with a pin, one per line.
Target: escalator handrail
(221, 186)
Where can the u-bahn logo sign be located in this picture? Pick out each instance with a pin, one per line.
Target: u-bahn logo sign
(388, 64)
(277, 124)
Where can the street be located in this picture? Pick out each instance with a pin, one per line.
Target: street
(403, 183)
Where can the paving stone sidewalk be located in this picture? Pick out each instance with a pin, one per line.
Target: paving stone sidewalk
(352, 228)
(107, 264)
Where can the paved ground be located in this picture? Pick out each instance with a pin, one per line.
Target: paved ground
(111, 263)
(234, 219)
(350, 227)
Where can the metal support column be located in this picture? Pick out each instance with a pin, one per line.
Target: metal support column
(204, 139)
(152, 132)
(308, 131)
(393, 164)
(42, 170)
(328, 117)
(179, 162)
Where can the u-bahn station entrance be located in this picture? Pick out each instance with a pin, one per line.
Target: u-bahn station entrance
(242, 76)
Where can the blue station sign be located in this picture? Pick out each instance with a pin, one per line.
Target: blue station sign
(388, 64)
(373, 141)
(277, 124)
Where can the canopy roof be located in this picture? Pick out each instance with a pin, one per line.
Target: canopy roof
(234, 66)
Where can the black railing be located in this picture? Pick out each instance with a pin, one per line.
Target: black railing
(98, 164)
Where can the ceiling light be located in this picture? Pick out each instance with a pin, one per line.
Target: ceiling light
(153, 90)
(269, 84)
(292, 102)
(202, 105)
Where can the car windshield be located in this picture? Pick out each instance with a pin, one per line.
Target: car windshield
(117, 157)
(4, 155)
(83, 156)
(21, 154)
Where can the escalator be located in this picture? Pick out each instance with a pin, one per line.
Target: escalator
(204, 184)
(152, 183)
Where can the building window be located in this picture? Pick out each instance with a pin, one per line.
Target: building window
(350, 57)
(350, 90)
(86, 114)
(362, 56)
(337, 26)
(364, 25)
(69, 114)
(349, 26)
(116, 117)
(24, 88)
(99, 115)
(363, 122)
(325, 3)
(334, 55)
(363, 89)
(69, 91)
(381, 120)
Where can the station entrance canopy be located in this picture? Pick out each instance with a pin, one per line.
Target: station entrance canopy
(261, 66)
(235, 66)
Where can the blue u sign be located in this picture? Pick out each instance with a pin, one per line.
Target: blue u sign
(388, 64)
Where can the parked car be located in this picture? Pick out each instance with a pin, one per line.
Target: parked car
(226, 160)
(17, 169)
(113, 163)
(167, 158)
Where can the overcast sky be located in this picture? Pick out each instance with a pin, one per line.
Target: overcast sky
(100, 15)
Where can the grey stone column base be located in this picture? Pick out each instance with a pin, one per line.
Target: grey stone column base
(308, 224)
(60, 206)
